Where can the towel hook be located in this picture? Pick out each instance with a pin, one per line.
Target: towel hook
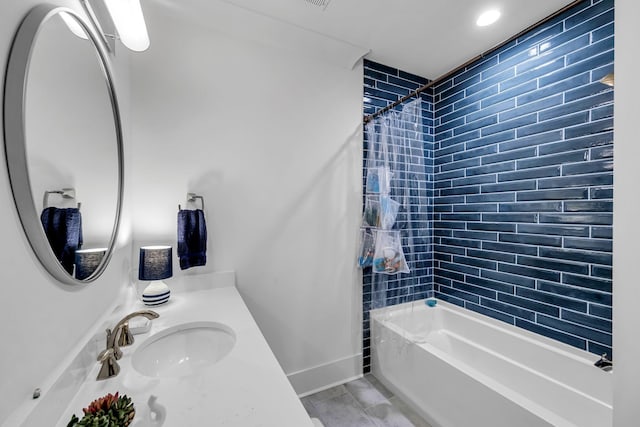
(65, 193)
(192, 197)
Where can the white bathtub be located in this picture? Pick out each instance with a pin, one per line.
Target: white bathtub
(461, 369)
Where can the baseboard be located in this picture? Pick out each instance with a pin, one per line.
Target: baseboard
(312, 380)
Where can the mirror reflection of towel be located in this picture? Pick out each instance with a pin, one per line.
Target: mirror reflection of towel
(192, 238)
(63, 227)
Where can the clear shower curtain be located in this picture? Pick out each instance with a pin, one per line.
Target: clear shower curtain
(396, 145)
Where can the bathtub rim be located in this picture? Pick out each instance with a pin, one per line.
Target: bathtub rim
(575, 353)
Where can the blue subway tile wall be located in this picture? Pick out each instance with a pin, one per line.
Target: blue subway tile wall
(382, 86)
(522, 181)
(519, 182)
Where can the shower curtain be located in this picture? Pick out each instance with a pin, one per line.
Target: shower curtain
(395, 169)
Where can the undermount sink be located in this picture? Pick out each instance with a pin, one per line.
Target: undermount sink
(183, 350)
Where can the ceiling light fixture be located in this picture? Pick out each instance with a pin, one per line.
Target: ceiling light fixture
(73, 25)
(99, 20)
(129, 21)
(488, 17)
(123, 17)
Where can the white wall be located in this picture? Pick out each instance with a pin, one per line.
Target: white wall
(41, 321)
(626, 217)
(271, 138)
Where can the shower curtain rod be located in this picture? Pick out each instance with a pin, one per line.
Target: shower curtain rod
(421, 89)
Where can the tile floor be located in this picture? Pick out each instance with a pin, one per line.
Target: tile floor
(361, 403)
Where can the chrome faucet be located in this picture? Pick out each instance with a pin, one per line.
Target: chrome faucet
(604, 363)
(120, 337)
(124, 338)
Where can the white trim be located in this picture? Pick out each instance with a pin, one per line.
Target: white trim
(322, 377)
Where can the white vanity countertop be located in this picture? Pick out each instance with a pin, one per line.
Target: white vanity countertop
(245, 389)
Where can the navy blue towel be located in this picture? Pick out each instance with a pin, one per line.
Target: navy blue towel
(63, 227)
(192, 238)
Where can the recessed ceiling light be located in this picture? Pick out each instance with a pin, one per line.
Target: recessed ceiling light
(488, 18)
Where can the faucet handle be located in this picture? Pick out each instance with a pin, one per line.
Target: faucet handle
(126, 337)
(105, 354)
(110, 367)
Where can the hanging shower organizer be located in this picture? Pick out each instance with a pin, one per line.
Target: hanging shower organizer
(395, 200)
(381, 244)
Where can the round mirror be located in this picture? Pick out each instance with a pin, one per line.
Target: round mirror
(63, 143)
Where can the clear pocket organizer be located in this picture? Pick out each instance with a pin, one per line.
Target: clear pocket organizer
(389, 257)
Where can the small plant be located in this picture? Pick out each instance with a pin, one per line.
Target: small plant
(107, 411)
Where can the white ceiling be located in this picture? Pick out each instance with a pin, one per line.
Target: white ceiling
(424, 37)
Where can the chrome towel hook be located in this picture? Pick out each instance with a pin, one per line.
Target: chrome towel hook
(193, 197)
(65, 193)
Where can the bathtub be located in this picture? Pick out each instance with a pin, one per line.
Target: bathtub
(460, 369)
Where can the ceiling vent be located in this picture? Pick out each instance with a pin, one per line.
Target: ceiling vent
(320, 3)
